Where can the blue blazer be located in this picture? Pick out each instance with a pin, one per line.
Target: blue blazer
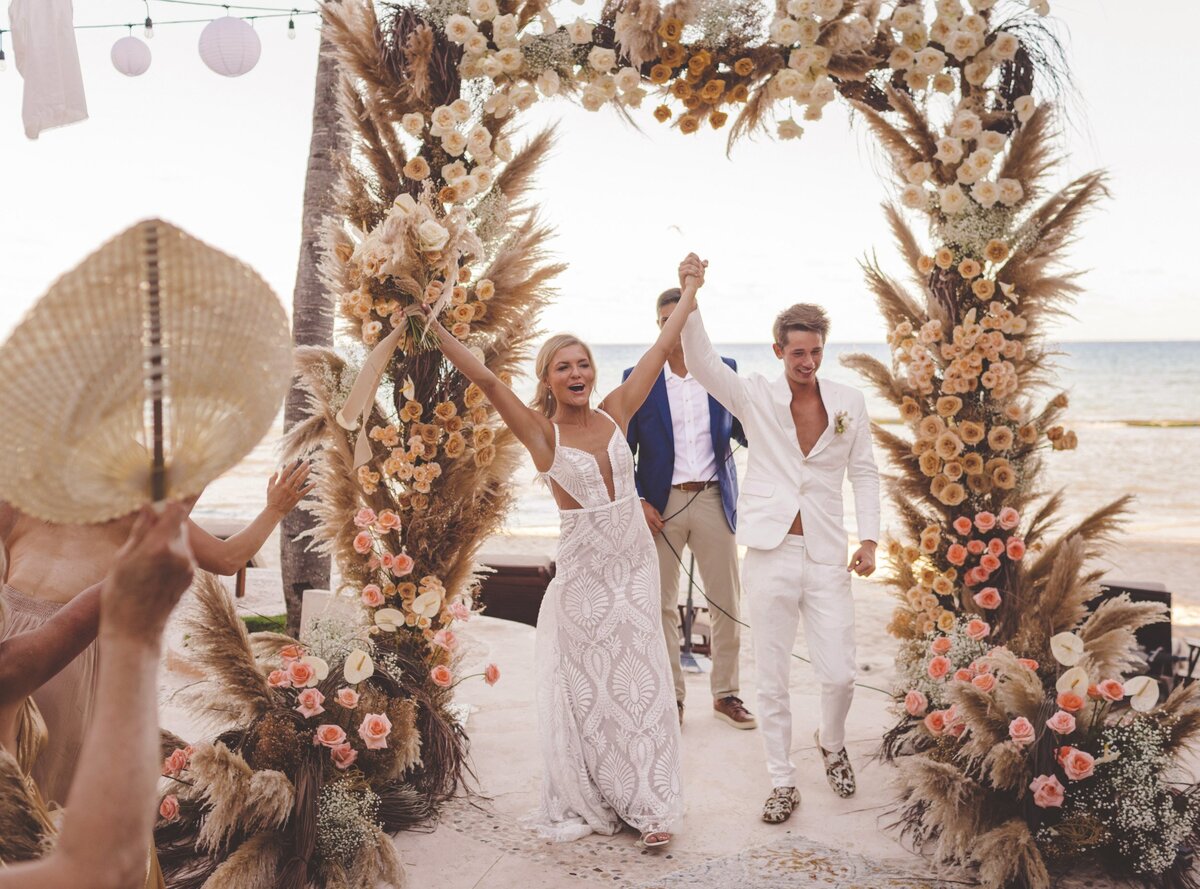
(652, 440)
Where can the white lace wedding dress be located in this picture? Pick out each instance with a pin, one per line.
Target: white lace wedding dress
(607, 718)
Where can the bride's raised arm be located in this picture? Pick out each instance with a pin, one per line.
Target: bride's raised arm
(532, 429)
(622, 403)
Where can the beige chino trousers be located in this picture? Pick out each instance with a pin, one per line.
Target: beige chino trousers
(700, 525)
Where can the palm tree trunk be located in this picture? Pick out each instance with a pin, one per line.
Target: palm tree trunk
(312, 322)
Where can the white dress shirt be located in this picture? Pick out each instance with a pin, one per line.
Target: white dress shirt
(695, 460)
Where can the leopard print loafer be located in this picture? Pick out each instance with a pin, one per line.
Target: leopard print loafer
(780, 804)
(838, 770)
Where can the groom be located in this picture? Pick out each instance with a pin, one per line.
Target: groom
(806, 435)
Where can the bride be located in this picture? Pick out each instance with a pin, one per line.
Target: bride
(606, 703)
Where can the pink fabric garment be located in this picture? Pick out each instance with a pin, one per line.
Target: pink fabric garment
(47, 57)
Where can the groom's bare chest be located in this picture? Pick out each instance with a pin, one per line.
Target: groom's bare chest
(809, 419)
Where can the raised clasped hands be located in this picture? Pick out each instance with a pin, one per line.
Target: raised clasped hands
(691, 271)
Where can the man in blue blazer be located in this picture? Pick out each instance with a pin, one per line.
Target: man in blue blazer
(680, 438)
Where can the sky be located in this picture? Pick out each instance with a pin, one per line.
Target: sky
(779, 222)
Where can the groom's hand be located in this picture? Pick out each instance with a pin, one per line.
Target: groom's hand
(862, 562)
(653, 518)
(692, 267)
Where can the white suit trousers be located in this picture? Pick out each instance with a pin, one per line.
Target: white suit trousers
(782, 584)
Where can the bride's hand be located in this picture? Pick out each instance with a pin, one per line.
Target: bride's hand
(691, 270)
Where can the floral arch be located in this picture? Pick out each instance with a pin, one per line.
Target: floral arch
(1020, 738)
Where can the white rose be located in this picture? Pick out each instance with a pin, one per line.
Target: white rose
(523, 96)
(466, 187)
(985, 193)
(1005, 45)
(478, 138)
(549, 82)
(918, 173)
(413, 123)
(977, 71)
(914, 197)
(1024, 106)
(905, 18)
(453, 171)
(992, 141)
(455, 143)
(930, 60)
(950, 9)
(511, 59)
(628, 79)
(592, 99)
(634, 97)
(799, 8)
(952, 199)
(579, 31)
(943, 82)
(431, 237)
(789, 129)
(901, 59)
(949, 150)
(602, 59)
(491, 67)
(607, 85)
(1011, 191)
(483, 177)
(962, 44)
(809, 31)
(497, 105)
(482, 10)
(459, 29)
(443, 117)
(801, 60)
(504, 30)
(974, 23)
(503, 149)
(476, 45)
(981, 160)
(966, 125)
(785, 31)
(967, 174)
(827, 9)
(786, 82)
(823, 91)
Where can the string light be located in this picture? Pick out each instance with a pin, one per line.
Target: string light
(292, 25)
(3, 63)
(148, 26)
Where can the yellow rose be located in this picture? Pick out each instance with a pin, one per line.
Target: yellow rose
(712, 90)
(969, 268)
(485, 456)
(430, 434)
(743, 67)
(925, 265)
(944, 258)
(660, 74)
(411, 411)
(739, 93)
(952, 494)
(931, 427)
(979, 484)
(983, 289)
(938, 485)
(671, 30)
(718, 119)
(953, 470)
(485, 289)
(455, 445)
(463, 313)
(473, 396)
(662, 113)
(949, 405)
(971, 432)
(689, 123)
(943, 587)
(972, 464)
(911, 554)
(445, 410)
(417, 168)
(479, 415)
(930, 463)
(910, 411)
(1000, 438)
(483, 436)
(1028, 434)
(945, 622)
(1004, 477)
(948, 445)
(996, 250)
(1013, 412)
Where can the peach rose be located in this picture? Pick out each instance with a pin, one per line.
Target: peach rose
(402, 564)
(363, 542)
(1076, 763)
(388, 521)
(176, 762)
(984, 682)
(309, 703)
(444, 639)
(491, 674)
(978, 629)
(1061, 723)
(963, 675)
(278, 679)
(372, 596)
(975, 547)
(988, 597)
(1111, 690)
(365, 517)
(938, 667)
(300, 674)
(329, 735)
(374, 730)
(1047, 791)
(1070, 702)
(1021, 731)
(915, 703)
(989, 563)
(168, 809)
(441, 675)
(984, 666)
(941, 645)
(985, 521)
(935, 722)
(962, 525)
(343, 755)
(290, 653)
(1009, 518)
(956, 554)
(1028, 663)
(348, 698)
(1015, 548)
(975, 576)
(460, 611)
(995, 546)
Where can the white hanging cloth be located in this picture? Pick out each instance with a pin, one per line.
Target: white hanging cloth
(43, 38)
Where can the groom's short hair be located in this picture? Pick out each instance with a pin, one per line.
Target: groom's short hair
(801, 316)
(667, 297)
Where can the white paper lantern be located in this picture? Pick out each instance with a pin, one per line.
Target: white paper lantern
(130, 56)
(230, 46)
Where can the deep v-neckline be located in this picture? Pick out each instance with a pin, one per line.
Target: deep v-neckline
(609, 483)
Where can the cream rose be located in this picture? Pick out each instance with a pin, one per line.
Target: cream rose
(966, 125)
(504, 30)
(914, 197)
(431, 236)
(949, 150)
(511, 60)
(459, 29)
(1005, 45)
(628, 79)
(1010, 191)
(579, 31)
(1024, 107)
(482, 10)
(785, 31)
(786, 82)
(476, 45)
(827, 9)
(602, 59)
(952, 199)
(985, 193)
(549, 82)
(454, 142)
(413, 123)
(592, 98)
(443, 117)
(962, 44)
(905, 18)
(789, 129)
(992, 141)
(929, 61)
(918, 173)
(523, 96)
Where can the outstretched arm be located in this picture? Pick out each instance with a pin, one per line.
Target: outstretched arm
(285, 489)
(106, 834)
(718, 378)
(531, 428)
(622, 403)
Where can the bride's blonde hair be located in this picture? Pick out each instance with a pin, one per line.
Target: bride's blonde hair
(543, 399)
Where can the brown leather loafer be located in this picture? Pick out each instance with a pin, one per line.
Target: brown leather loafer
(731, 709)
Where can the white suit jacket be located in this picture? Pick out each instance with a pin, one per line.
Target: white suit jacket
(780, 480)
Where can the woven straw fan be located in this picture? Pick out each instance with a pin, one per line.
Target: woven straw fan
(144, 373)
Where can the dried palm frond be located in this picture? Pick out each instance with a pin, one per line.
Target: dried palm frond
(1095, 531)
(253, 865)
(906, 241)
(1008, 856)
(947, 798)
(234, 688)
(1006, 767)
(1110, 647)
(1061, 599)
(878, 374)
(902, 153)
(1031, 153)
(1180, 712)
(238, 798)
(894, 301)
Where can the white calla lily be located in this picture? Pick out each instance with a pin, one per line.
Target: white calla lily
(389, 619)
(1143, 693)
(1074, 680)
(319, 667)
(358, 666)
(428, 604)
(1067, 649)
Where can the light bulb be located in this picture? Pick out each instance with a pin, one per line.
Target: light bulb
(148, 29)
(3, 63)
(291, 29)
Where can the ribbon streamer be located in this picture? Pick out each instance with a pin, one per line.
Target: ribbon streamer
(356, 410)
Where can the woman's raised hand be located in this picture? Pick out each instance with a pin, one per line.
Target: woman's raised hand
(691, 271)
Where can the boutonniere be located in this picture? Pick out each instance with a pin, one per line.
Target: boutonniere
(840, 421)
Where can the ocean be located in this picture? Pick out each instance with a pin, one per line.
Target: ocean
(1134, 406)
